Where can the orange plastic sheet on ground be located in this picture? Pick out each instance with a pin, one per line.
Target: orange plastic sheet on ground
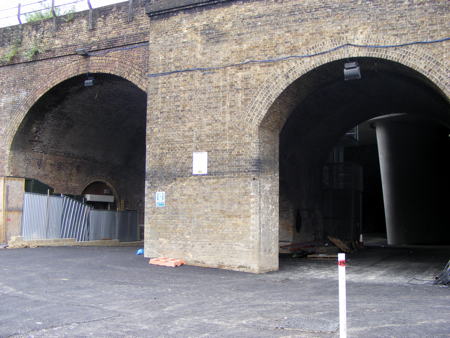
(165, 261)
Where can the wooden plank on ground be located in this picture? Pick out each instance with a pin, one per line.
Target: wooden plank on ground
(341, 245)
(322, 256)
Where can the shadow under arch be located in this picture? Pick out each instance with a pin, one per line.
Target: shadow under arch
(279, 81)
(74, 133)
(104, 181)
(94, 187)
(96, 64)
(313, 106)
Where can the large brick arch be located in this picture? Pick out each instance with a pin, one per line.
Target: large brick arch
(414, 57)
(104, 64)
(269, 111)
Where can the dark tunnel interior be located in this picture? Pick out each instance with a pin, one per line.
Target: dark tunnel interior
(331, 183)
(75, 135)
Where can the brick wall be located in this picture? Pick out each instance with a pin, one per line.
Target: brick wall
(235, 113)
(117, 41)
(233, 109)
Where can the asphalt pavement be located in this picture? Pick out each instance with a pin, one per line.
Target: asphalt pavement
(111, 292)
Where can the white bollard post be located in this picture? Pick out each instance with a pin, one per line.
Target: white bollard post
(342, 297)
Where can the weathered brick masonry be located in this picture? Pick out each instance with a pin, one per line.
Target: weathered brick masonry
(229, 218)
(117, 39)
(203, 95)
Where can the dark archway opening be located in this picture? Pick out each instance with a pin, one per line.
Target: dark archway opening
(359, 151)
(330, 181)
(100, 195)
(76, 134)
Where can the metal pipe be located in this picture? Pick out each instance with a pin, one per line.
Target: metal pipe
(18, 13)
(53, 9)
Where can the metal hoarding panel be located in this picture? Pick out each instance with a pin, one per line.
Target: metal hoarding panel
(102, 225)
(34, 216)
(55, 208)
(127, 225)
(75, 220)
(47, 217)
(41, 217)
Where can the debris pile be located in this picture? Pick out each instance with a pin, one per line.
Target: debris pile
(17, 242)
(320, 250)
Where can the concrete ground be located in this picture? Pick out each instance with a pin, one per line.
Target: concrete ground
(111, 292)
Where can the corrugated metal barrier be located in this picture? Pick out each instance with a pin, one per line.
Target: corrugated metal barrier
(41, 216)
(47, 217)
(75, 220)
(102, 225)
(121, 225)
(127, 223)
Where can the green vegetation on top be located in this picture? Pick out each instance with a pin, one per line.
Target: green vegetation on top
(46, 13)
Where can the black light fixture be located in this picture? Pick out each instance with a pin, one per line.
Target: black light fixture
(352, 71)
(90, 81)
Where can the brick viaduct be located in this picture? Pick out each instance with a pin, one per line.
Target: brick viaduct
(218, 76)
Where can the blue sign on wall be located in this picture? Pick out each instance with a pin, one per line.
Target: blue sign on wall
(160, 199)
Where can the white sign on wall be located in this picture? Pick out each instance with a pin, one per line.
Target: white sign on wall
(200, 163)
(160, 199)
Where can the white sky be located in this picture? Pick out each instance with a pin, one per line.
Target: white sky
(8, 8)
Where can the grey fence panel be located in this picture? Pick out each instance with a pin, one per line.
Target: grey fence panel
(75, 220)
(33, 217)
(41, 216)
(127, 225)
(46, 217)
(102, 225)
(121, 225)
(55, 209)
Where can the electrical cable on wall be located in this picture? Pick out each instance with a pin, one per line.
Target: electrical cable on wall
(284, 58)
(115, 49)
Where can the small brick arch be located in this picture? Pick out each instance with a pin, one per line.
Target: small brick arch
(414, 57)
(104, 64)
(108, 181)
